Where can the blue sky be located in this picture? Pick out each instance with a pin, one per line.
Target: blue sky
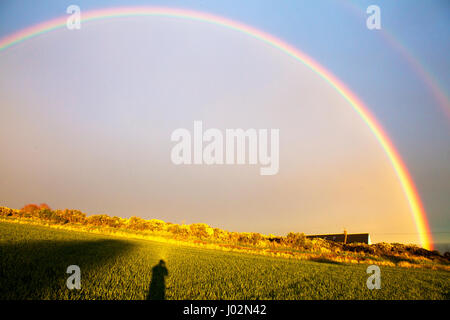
(334, 33)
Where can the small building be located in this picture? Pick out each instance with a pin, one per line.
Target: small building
(344, 238)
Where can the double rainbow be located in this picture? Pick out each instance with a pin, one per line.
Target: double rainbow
(400, 169)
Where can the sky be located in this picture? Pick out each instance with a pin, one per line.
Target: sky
(86, 116)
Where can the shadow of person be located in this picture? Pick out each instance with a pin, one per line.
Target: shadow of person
(157, 289)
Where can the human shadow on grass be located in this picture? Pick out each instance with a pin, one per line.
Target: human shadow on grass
(157, 290)
(37, 269)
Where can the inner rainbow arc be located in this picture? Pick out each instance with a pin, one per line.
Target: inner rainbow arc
(406, 182)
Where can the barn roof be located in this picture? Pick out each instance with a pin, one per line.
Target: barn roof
(339, 237)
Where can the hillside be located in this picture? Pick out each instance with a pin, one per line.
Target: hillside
(35, 258)
(293, 245)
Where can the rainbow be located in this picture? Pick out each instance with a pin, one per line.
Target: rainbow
(399, 167)
(438, 93)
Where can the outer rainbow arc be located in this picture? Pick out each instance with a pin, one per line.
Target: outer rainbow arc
(400, 169)
(439, 94)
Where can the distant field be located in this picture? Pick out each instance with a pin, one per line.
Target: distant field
(33, 262)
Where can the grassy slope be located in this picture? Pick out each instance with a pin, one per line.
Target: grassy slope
(33, 261)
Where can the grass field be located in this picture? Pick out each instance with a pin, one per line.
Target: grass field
(33, 262)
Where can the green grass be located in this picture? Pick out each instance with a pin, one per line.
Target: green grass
(33, 262)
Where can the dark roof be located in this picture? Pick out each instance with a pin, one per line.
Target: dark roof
(339, 237)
